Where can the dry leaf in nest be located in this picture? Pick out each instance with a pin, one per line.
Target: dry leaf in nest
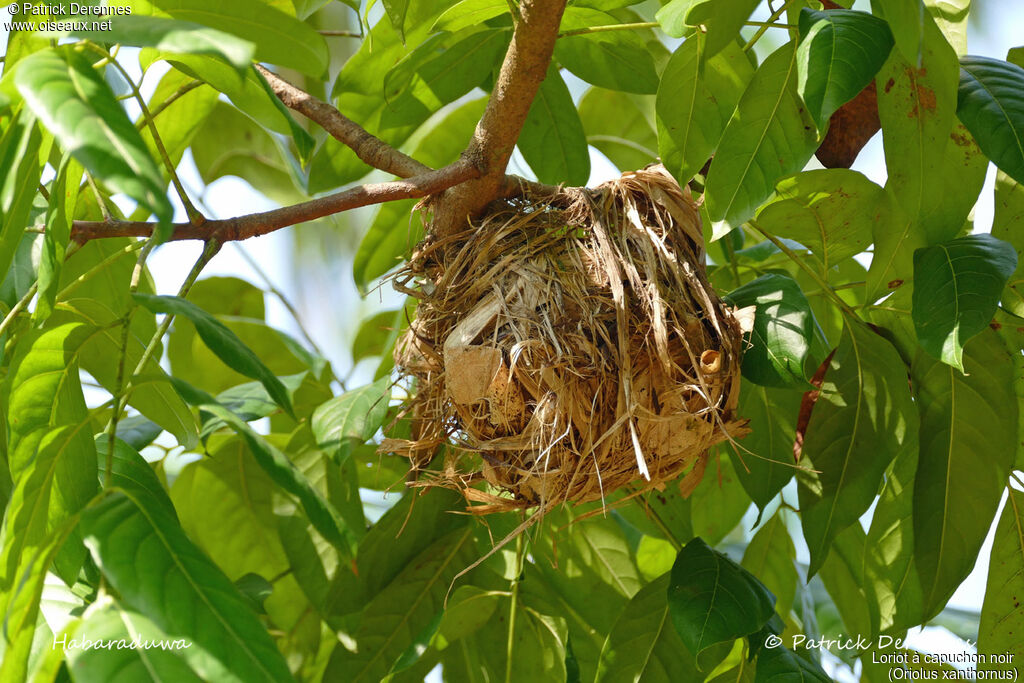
(568, 349)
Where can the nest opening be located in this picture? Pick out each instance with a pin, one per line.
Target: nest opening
(563, 350)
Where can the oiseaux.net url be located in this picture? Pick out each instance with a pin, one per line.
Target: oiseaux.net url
(58, 26)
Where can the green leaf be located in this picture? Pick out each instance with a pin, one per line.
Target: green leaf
(839, 54)
(991, 104)
(396, 11)
(618, 60)
(153, 395)
(619, 127)
(843, 577)
(643, 645)
(907, 20)
(829, 211)
(110, 622)
(279, 38)
(230, 486)
(24, 149)
(441, 70)
(157, 571)
(957, 288)
(393, 233)
(694, 104)
(764, 460)
(351, 418)
(395, 616)
(672, 17)
(245, 92)
(286, 475)
(535, 650)
(131, 472)
(384, 551)
(767, 137)
(889, 560)
(718, 503)
(552, 140)
(771, 557)
(783, 330)
(170, 35)
(1008, 225)
(231, 143)
(712, 600)
(864, 417)
(722, 19)
(1002, 618)
(781, 665)
(77, 106)
(53, 467)
(59, 216)
(222, 341)
(968, 440)
(589, 567)
(469, 13)
(917, 109)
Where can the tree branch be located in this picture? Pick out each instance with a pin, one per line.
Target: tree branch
(369, 148)
(525, 66)
(252, 225)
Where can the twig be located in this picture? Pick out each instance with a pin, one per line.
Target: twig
(252, 225)
(18, 307)
(609, 27)
(766, 24)
(171, 99)
(522, 71)
(341, 34)
(120, 397)
(795, 258)
(369, 148)
(193, 214)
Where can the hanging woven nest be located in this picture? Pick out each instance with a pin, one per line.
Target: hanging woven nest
(563, 350)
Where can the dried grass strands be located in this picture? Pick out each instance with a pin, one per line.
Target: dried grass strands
(561, 351)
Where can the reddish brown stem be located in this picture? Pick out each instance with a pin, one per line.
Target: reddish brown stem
(251, 225)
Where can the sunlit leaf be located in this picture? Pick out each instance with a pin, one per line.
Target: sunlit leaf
(968, 441)
(863, 419)
(768, 136)
(991, 105)
(957, 288)
(694, 104)
(72, 100)
(840, 52)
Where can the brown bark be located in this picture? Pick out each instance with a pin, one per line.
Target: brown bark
(525, 66)
(251, 225)
(469, 184)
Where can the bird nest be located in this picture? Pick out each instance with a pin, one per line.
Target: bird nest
(564, 350)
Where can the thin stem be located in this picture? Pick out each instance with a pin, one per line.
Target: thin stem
(19, 307)
(194, 216)
(104, 209)
(795, 258)
(209, 251)
(341, 34)
(171, 99)
(126, 327)
(95, 270)
(43, 191)
(279, 294)
(513, 605)
(769, 24)
(765, 25)
(609, 27)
